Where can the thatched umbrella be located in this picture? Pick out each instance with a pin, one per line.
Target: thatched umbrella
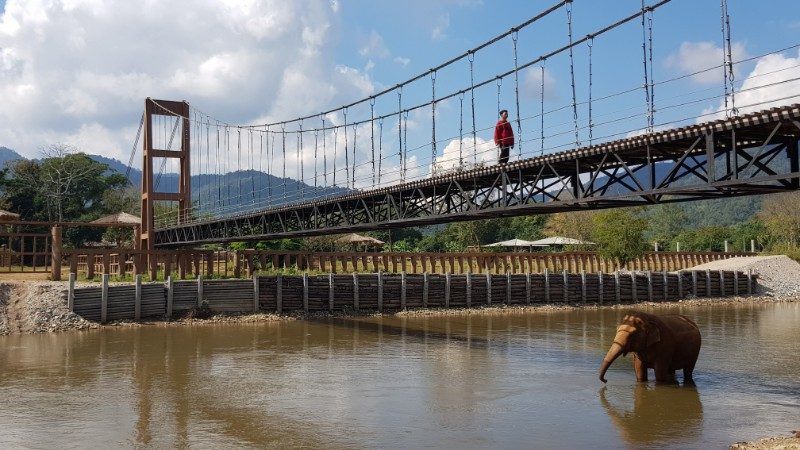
(122, 220)
(8, 215)
(357, 239)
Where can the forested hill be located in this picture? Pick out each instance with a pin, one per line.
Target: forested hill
(239, 189)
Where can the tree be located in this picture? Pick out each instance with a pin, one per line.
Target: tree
(781, 216)
(619, 233)
(705, 239)
(666, 220)
(575, 225)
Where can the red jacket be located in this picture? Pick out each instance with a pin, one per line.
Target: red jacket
(503, 134)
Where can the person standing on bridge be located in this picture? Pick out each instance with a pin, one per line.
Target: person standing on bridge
(503, 137)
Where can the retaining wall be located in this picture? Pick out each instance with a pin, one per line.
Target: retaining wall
(382, 292)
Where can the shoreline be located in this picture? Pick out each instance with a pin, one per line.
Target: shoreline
(264, 317)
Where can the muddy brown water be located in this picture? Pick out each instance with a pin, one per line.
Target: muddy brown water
(521, 380)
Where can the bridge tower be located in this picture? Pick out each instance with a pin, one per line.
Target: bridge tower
(180, 132)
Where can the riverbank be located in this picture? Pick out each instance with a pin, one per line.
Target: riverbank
(41, 307)
(773, 443)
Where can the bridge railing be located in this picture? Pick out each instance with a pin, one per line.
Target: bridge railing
(159, 264)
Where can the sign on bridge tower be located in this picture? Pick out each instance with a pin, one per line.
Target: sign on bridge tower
(166, 135)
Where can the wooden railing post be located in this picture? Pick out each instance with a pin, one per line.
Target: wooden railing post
(237, 267)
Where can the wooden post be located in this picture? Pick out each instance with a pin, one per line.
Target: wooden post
(305, 291)
(330, 291)
(528, 288)
(200, 291)
(546, 285)
(508, 286)
(583, 286)
(71, 293)
(447, 289)
(565, 275)
(89, 265)
(403, 290)
(488, 289)
(170, 296)
(255, 293)
(617, 293)
(694, 283)
(380, 292)
(424, 287)
(680, 283)
(666, 284)
(106, 263)
(152, 261)
(649, 285)
(237, 264)
(55, 254)
(721, 283)
(137, 299)
(279, 294)
(355, 291)
(600, 286)
(104, 299)
(634, 294)
(708, 282)
(749, 281)
(469, 289)
(736, 282)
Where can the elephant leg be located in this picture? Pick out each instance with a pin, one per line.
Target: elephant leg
(663, 373)
(639, 368)
(687, 374)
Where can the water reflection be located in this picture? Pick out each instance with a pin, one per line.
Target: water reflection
(649, 414)
(516, 380)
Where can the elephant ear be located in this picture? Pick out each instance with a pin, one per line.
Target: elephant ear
(653, 335)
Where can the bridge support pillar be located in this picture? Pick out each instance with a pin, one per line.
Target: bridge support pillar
(179, 111)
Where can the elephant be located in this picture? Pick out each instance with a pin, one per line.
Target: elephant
(664, 343)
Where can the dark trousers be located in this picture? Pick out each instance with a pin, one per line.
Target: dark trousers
(503, 155)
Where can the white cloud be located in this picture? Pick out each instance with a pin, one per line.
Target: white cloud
(78, 71)
(465, 154)
(440, 28)
(532, 84)
(374, 46)
(402, 61)
(764, 87)
(693, 57)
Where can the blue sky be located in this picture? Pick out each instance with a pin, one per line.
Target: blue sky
(78, 71)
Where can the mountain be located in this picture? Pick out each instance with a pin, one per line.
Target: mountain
(7, 155)
(240, 190)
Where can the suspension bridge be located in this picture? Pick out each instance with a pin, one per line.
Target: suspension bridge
(414, 154)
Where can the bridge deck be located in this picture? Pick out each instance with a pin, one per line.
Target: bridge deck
(750, 154)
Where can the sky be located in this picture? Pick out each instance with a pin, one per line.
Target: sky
(78, 71)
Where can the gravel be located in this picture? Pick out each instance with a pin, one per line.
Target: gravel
(37, 307)
(778, 276)
(774, 443)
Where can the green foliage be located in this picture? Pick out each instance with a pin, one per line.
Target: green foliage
(666, 221)
(65, 185)
(619, 233)
(781, 217)
(705, 239)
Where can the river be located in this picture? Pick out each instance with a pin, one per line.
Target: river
(516, 380)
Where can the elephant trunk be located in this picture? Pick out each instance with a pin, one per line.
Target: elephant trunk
(613, 353)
